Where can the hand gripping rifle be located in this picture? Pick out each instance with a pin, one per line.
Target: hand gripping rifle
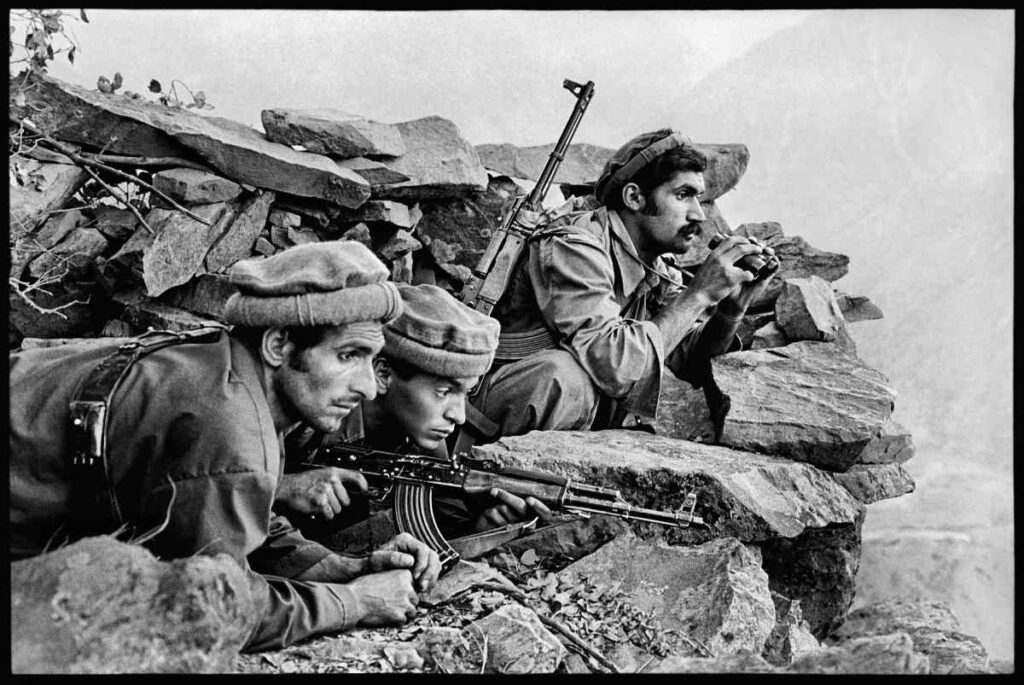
(494, 270)
(412, 479)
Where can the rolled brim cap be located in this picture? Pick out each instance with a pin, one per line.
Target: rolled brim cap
(633, 156)
(329, 283)
(440, 335)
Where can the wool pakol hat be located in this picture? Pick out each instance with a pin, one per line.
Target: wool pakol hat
(633, 156)
(439, 335)
(315, 284)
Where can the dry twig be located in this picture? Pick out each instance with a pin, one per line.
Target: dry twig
(123, 200)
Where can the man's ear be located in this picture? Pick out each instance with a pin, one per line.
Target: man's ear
(275, 347)
(383, 372)
(632, 198)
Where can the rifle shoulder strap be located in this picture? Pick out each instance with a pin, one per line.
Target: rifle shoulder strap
(93, 499)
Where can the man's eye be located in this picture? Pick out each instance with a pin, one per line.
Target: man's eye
(347, 356)
(442, 392)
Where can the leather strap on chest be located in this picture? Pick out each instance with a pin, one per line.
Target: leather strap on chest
(94, 500)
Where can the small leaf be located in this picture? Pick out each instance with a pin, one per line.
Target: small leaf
(117, 80)
(200, 98)
(81, 13)
(529, 557)
(71, 54)
(154, 86)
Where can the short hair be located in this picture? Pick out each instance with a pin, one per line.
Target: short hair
(660, 170)
(403, 369)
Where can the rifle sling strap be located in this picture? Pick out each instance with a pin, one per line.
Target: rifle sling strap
(94, 503)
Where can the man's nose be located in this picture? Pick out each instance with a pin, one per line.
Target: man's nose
(456, 411)
(695, 212)
(365, 381)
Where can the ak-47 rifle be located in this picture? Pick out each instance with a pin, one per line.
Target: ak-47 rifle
(412, 480)
(495, 268)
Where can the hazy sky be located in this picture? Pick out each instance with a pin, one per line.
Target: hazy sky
(496, 74)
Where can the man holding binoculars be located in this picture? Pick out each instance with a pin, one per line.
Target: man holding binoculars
(593, 313)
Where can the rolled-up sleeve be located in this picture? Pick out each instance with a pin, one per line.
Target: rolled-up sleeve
(574, 282)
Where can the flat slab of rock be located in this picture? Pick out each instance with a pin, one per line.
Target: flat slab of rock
(798, 258)
(237, 151)
(103, 606)
(438, 161)
(195, 187)
(715, 593)
(740, 494)
(332, 132)
(806, 401)
(874, 482)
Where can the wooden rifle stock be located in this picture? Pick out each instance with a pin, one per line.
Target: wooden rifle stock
(495, 267)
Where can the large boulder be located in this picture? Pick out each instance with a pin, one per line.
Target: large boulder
(103, 606)
(810, 402)
(715, 593)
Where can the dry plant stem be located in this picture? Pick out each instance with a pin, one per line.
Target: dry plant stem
(81, 159)
(554, 625)
(114, 192)
(151, 161)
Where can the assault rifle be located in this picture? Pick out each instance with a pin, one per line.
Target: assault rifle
(412, 480)
(494, 270)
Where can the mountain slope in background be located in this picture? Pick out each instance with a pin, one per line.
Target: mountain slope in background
(887, 135)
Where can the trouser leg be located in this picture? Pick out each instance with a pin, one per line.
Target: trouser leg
(545, 391)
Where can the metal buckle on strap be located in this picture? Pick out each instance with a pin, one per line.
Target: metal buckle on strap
(87, 419)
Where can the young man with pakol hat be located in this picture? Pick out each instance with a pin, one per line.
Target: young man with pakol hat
(593, 313)
(189, 439)
(434, 354)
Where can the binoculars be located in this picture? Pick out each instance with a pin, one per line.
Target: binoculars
(761, 266)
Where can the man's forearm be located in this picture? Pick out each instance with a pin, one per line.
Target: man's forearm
(679, 315)
(719, 332)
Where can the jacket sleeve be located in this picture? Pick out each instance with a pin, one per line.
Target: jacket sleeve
(229, 513)
(573, 281)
